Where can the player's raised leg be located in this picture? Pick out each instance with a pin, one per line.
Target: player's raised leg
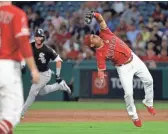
(125, 73)
(145, 76)
(50, 88)
(62, 86)
(65, 87)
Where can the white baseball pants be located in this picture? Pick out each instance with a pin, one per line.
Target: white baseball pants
(41, 88)
(126, 73)
(11, 91)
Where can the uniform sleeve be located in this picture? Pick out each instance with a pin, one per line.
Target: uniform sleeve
(106, 31)
(21, 33)
(20, 25)
(54, 56)
(101, 61)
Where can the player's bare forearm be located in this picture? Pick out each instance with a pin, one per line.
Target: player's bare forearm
(58, 64)
(100, 20)
(58, 67)
(33, 68)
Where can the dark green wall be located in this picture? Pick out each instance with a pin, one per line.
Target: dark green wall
(71, 71)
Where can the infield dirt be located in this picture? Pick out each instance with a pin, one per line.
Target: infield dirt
(90, 116)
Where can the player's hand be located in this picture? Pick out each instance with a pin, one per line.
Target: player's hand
(101, 76)
(102, 80)
(35, 76)
(88, 17)
(58, 79)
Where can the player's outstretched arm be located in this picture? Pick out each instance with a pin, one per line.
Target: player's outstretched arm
(98, 17)
(55, 57)
(101, 64)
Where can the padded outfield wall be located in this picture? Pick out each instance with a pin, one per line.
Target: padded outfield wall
(86, 85)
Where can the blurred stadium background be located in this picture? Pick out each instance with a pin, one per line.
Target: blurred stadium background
(142, 25)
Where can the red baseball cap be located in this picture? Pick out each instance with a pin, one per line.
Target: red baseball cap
(87, 41)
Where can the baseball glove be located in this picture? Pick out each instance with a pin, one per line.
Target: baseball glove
(88, 17)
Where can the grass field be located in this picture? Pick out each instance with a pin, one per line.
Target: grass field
(91, 127)
(92, 105)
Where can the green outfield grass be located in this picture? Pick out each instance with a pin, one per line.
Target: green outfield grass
(91, 105)
(93, 128)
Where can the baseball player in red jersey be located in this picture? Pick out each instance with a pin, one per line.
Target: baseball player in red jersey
(109, 46)
(14, 39)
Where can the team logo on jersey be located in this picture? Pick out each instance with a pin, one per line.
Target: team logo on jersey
(42, 58)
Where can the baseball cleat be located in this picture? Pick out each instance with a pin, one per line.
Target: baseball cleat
(151, 110)
(65, 87)
(22, 117)
(137, 122)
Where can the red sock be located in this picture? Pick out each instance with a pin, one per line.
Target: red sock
(5, 127)
(10, 132)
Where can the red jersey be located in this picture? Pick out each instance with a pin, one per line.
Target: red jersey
(114, 49)
(13, 26)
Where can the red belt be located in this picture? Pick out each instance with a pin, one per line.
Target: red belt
(129, 60)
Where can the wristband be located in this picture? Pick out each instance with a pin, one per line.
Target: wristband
(58, 71)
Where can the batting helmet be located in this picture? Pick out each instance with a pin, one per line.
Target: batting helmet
(40, 33)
